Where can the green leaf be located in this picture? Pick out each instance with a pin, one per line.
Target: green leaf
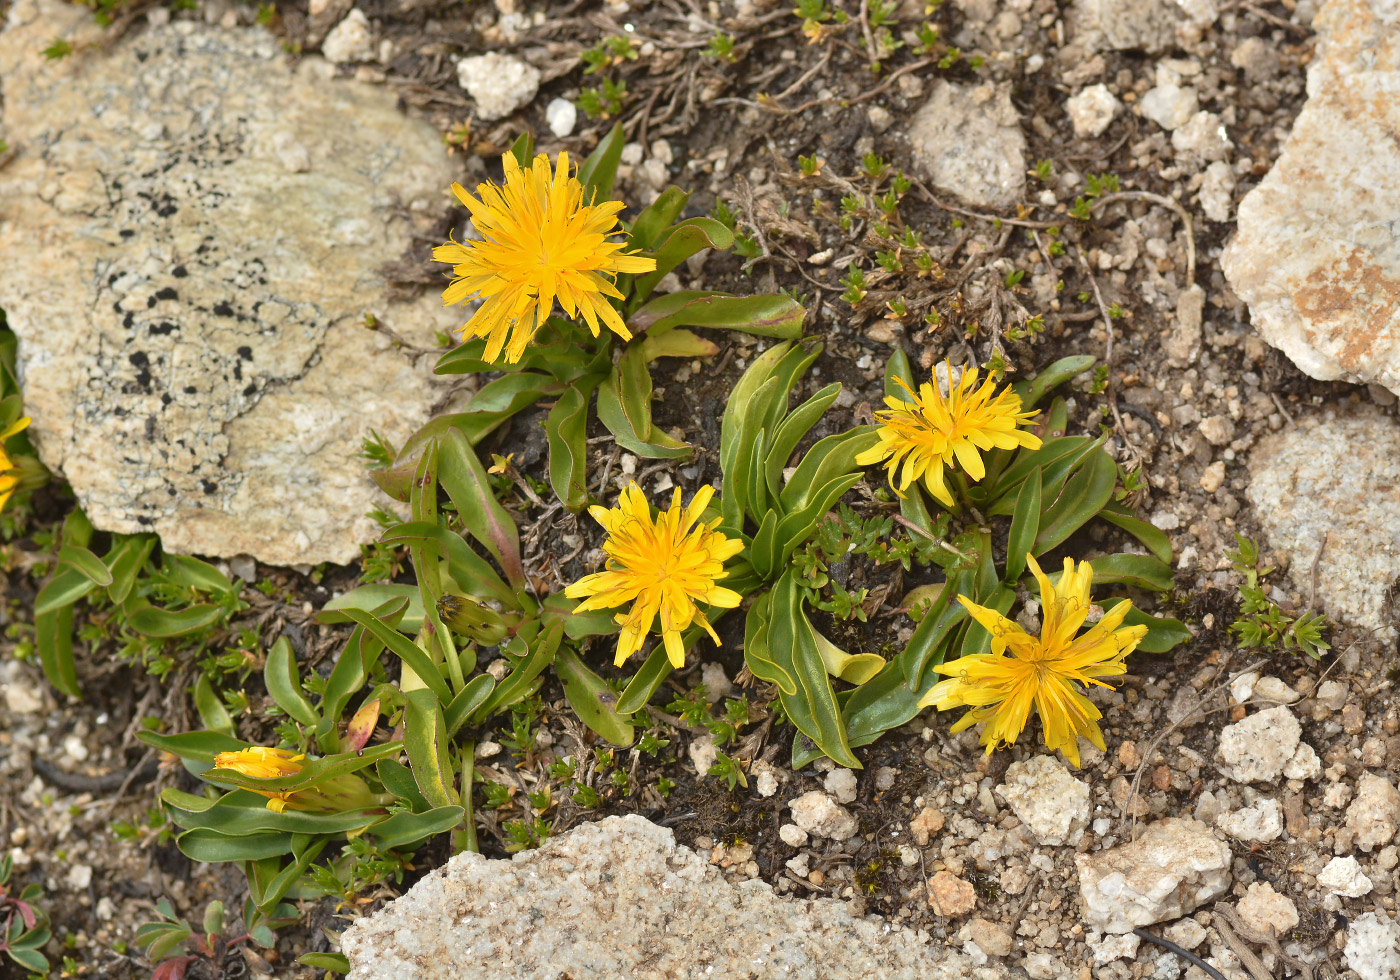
(882, 703)
(311, 773)
(163, 623)
(1084, 495)
(241, 813)
(211, 847)
(373, 597)
(461, 474)
(195, 746)
(1138, 571)
(472, 696)
(1056, 374)
(524, 678)
(653, 221)
(1054, 459)
(31, 959)
(757, 657)
(766, 315)
(408, 829)
(853, 668)
(678, 244)
(66, 587)
(267, 894)
(53, 637)
(898, 367)
(928, 644)
(624, 407)
(405, 650)
(791, 431)
(599, 169)
(1025, 524)
(429, 752)
(191, 573)
(829, 460)
(1152, 538)
(468, 569)
(212, 713)
(398, 781)
(676, 343)
(568, 451)
(125, 559)
(283, 683)
(644, 683)
(86, 563)
(330, 962)
(591, 698)
(523, 149)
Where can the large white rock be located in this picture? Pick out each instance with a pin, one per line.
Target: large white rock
(967, 140)
(1124, 25)
(1373, 947)
(1257, 748)
(1052, 804)
(620, 899)
(191, 234)
(1176, 866)
(1333, 479)
(1317, 257)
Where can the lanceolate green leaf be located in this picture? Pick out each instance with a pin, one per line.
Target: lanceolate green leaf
(1034, 390)
(470, 571)
(154, 621)
(1153, 538)
(195, 746)
(408, 829)
(125, 560)
(425, 738)
(1162, 633)
(599, 168)
(65, 588)
(1138, 571)
(212, 712)
(404, 648)
(473, 695)
(86, 563)
(679, 243)
(568, 451)
(53, 636)
(1025, 524)
(524, 677)
(243, 812)
(655, 669)
(657, 217)
(1083, 496)
(461, 474)
(210, 846)
(591, 698)
(283, 683)
(624, 407)
(766, 315)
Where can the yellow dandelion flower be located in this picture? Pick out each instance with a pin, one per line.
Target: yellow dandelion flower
(9, 475)
(1042, 671)
(260, 762)
(663, 566)
(540, 242)
(931, 431)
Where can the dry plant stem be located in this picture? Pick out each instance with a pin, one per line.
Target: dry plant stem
(865, 29)
(1268, 939)
(1017, 222)
(1165, 202)
(1239, 948)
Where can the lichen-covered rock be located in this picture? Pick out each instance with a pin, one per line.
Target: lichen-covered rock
(619, 899)
(967, 140)
(1258, 748)
(1317, 256)
(1334, 479)
(1052, 804)
(1374, 814)
(1176, 866)
(191, 231)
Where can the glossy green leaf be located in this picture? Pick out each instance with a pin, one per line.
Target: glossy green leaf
(523, 149)
(398, 782)
(125, 560)
(829, 460)
(53, 637)
(599, 168)
(1083, 496)
(461, 474)
(928, 644)
(757, 657)
(676, 245)
(644, 683)
(676, 343)
(524, 678)
(408, 829)
(881, 704)
(284, 683)
(330, 962)
(898, 367)
(592, 699)
(86, 563)
(1138, 571)
(212, 713)
(372, 597)
(791, 431)
(1034, 390)
(1055, 458)
(766, 315)
(656, 218)
(404, 648)
(195, 746)
(1162, 633)
(429, 751)
(624, 407)
(192, 573)
(164, 623)
(1152, 538)
(471, 697)
(853, 668)
(243, 812)
(568, 452)
(66, 587)
(1025, 524)
(467, 568)
(210, 847)
(305, 850)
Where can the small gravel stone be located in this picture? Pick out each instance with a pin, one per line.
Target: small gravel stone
(1091, 110)
(1186, 933)
(716, 681)
(1257, 748)
(1373, 947)
(1261, 822)
(702, 754)
(350, 40)
(821, 816)
(499, 83)
(928, 822)
(1374, 813)
(1304, 765)
(1265, 910)
(1115, 947)
(1170, 106)
(990, 938)
(792, 835)
(1343, 876)
(841, 784)
(1218, 191)
(78, 878)
(765, 778)
(561, 116)
(1273, 689)
(1332, 694)
(950, 896)
(1052, 804)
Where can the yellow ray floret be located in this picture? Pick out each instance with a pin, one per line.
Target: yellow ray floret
(261, 762)
(9, 478)
(1044, 672)
(539, 242)
(922, 435)
(662, 567)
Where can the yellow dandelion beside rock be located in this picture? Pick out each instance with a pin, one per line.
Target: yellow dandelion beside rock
(261, 762)
(539, 242)
(336, 794)
(662, 567)
(921, 436)
(1044, 672)
(9, 474)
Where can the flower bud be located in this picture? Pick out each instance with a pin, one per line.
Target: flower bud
(474, 618)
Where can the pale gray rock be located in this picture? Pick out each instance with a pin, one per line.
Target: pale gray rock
(1317, 255)
(1374, 813)
(1327, 493)
(1091, 110)
(1373, 947)
(1218, 192)
(1257, 748)
(1201, 140)
(1052, 804)
(1170, 105)
(967, 140)
(192, 232)
(841, 784)
(1176, 866)
(620, 900)
(1304, 765)
(821, 816)
(500, 83)
(1124, 25)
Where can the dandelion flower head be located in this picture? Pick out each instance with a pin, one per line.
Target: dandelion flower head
(664, 567)
(1048, 672)
(260, 762)
(929, 431)
(9, 478)
(540, 242)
